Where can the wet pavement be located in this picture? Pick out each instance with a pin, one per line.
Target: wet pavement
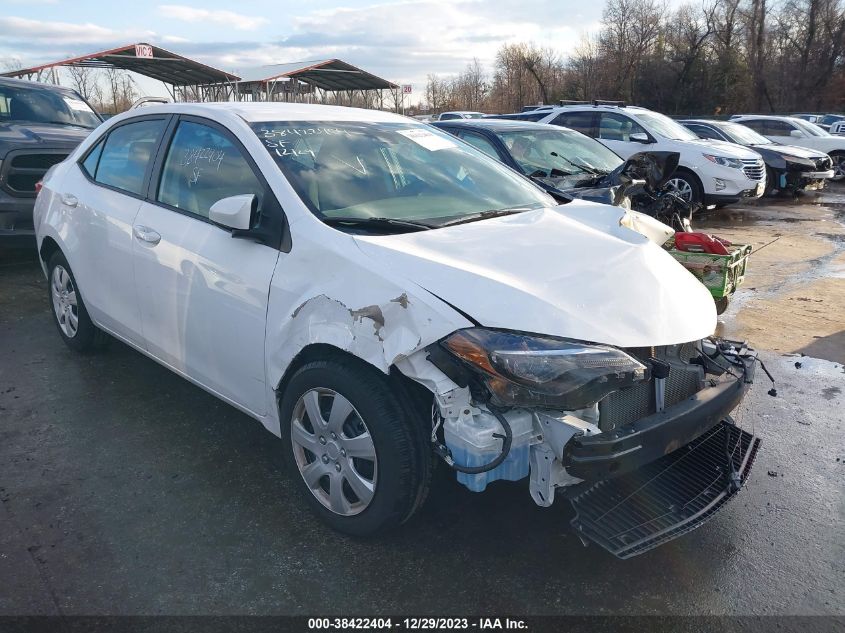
(126, 490)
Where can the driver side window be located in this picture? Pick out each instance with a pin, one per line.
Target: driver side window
(616, 127)
(202, 166)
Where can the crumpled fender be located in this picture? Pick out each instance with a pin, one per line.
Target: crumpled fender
(337, 296)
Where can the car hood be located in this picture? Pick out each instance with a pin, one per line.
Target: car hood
(788, 150)
(24, 134)
(571, 271)
(731, 150)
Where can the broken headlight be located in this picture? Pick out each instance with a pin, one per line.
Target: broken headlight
(530, 370)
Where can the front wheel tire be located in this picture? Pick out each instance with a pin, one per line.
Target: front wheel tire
(354, 446)
(687, 187)
(838, 159)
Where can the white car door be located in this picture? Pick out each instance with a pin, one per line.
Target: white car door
(203, 293)
(103, 194)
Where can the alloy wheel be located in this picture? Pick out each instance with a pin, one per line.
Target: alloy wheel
(681, 187)
(334, 451)
(65, 302)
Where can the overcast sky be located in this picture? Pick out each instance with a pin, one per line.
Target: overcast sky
(401, 41)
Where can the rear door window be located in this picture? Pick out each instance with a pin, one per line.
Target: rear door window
(127, 155)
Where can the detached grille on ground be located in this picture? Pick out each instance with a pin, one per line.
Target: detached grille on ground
(754, 168)
(633, 513)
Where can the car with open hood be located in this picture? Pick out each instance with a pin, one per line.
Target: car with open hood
(788, 167)
(377, 293)
(39, 126)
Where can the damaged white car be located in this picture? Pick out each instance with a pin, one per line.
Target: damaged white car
(379, 294)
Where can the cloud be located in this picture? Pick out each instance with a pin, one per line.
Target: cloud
(217, 16)
(61, 34)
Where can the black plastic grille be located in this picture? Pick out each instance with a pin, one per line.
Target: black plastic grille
(633, 513)
(22, 169)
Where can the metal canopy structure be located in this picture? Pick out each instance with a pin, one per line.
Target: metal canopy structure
(190, 80)
(293, 80)
(180, 74)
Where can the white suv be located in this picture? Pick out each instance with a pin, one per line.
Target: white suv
(708, 173)
(791, 130)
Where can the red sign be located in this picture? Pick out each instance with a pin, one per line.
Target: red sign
(143, 50)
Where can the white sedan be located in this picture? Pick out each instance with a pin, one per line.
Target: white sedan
(376, 292)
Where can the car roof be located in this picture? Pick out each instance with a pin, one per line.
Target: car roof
(256, 112)
(601, 106)
(495, 124)
(776, 117)
(715, 122)
(23, 83)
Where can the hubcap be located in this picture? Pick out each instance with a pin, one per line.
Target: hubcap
(681, 187)
(334, 451)
(64, 302)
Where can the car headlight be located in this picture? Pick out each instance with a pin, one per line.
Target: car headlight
(724, 161)
(531, 370)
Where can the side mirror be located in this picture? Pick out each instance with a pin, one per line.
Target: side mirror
(640, 137)
(235, 212)
(796, 133)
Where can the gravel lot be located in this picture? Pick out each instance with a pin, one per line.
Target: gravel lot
(126, 490)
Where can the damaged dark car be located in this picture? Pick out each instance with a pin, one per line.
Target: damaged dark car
(789, 168)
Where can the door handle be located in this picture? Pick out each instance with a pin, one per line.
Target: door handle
(146, 234)
(69, 200)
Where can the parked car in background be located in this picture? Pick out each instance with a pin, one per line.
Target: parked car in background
(527, 115)
(788, 167)
(812, 118)
(557, 159)
(39, 126)
(378, 293)
(793, 131)
(462, 114)
(828, 120)
(837, 128)
(705, 175)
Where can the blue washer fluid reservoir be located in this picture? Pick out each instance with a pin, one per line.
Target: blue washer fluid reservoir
(470, 439)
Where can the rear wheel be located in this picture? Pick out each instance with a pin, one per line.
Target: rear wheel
(69, 313)
(687, 187)
(354, 445)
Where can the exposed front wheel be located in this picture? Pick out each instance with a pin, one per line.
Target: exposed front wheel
(838, 159)
(69, 313)
(687, 187)
(354, 446)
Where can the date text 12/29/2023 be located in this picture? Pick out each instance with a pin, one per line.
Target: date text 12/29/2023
(417, 624)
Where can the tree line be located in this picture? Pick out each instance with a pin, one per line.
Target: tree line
(720, 57)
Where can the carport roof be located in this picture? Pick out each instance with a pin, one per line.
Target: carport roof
(326, 74)
(164, 65)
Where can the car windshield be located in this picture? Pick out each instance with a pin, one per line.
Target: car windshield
(41, 105)
(810, 128)
(744, 135)
(557, 152)
(662, 125)
(400, 171)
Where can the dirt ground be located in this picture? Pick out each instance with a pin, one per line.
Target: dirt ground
(793, 298)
